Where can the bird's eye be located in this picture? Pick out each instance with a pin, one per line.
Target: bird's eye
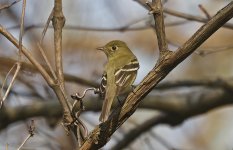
(114, 48)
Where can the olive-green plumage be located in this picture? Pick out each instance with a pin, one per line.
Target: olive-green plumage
(119, 73)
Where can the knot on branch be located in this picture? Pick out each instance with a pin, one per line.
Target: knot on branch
(153, 9)
(58, 20)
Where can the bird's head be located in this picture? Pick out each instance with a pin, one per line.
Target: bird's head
(115, 48)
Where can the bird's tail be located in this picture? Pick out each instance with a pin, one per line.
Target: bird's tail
(106, 108)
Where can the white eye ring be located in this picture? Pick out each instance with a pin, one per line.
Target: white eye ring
(114, 47)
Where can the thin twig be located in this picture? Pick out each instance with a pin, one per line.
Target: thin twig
(204, 11)
(157, 10)
(193, 17)
(206, 51)
(47, 61)
(124, 28)
(11, 83)
(18, 64)
(212, 50)
(21, 30)
(26, 52)
(57, 88)
(25, 140)
(8, 62)
(46, 27)
(184, 15)
(3, 85)
(31, 131)
(8, 5)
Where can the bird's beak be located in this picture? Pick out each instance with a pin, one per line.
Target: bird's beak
(100, 48)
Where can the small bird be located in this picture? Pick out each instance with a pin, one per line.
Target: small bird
(119, 74)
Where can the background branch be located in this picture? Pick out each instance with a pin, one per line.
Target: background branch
(6, 6)
(186, 106)
(185, 16)
(183, 109)
(8, 62)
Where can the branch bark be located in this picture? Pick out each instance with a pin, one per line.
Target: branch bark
(58, 23)
(157, 10)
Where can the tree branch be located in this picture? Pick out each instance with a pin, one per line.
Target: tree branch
(185, 16)
(184, 109)
(58, 23)
(59, 91)
(157, 10)
(8, 62)
(192, 83)
(26, 52)
(8, 5)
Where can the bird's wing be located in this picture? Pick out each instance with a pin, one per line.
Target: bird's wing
(124, 75)
(103, 85)
(110, 93)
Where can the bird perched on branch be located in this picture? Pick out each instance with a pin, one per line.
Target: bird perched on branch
(119, 74)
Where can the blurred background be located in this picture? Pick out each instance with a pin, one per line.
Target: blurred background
(90, 24)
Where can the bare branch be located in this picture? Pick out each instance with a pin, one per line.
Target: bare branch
(7, 62)
(46, 27)
(58, 23)
(204, 11)
(21, 30)
(31, 131)
(8, 5)
(192, 83)
(197, 101)
(206, 51)
(11, 83)
(134, 133)
(47, 61)
(193, 18)
(18, 64)
(3, 85)
(56, 87)
(185, 16)
(124, 28)
(157, 10)
(26, 52)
